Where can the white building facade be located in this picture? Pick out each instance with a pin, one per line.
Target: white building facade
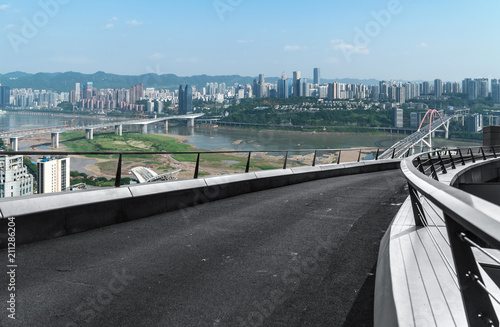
(53, 174)
(15, 179)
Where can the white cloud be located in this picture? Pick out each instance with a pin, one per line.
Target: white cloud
(244, 41)
(157, 55)
(114, 19)
(339, 44)
(424, 45)
(134, 22)
(9, 27)
(293, 48)
(108, 26)
(4, 7)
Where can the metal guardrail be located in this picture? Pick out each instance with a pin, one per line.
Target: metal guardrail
(471, 223)
(199, 155)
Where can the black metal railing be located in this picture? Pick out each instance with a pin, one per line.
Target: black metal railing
(472, 224)
(359, 153)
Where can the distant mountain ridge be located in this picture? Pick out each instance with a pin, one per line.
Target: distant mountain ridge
(64, 82)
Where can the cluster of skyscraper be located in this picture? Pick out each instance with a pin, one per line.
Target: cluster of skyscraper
(16, 179)
(89, 97)
(86, 96)
(475, 88)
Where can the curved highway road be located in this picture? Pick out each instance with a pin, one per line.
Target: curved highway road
(301, 255)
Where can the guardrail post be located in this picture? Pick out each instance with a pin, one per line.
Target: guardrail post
(418, 211)
(247, 169)
(314, 158)
(493, 150)
(461, 157)
(286, 159)
(433, 170)
(118, 178)
(452, 161)
(478, 307)
(393, 153)
(420, 166)
(376, 156)
(443, 168)
(471, 155)
(359, 155)
(338, 159)
(482, 151)
(197, 166)
(408, 153)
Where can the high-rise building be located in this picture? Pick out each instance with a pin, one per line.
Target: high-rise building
(261, 85)
(4, 96)
(15, 180)
(483, 87)
(495, 90)
(475, 123)
(306, 88)
(438, 88)
(426, 88)
(53, 174)
(282, 87)
(333, 91)
(400, 94)
(472, 89)
(160, 107)
(185, 100)
(317, 76)
(391, 93)
(297, 87)
(136, 93)
(78, 92)
(150, 106)
(397, 117)
(375, 92)
(88, 90)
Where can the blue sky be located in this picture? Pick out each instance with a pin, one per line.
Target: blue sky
(395, 39)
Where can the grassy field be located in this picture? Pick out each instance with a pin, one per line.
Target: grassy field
(213, 163)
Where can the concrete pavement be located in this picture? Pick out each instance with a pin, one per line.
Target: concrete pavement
(300, 255)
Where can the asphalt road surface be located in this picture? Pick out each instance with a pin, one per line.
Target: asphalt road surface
(301, 255)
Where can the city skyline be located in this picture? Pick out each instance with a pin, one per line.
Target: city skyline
(396, 39)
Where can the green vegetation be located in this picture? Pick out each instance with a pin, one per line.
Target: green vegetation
(335, 113)
(129, 142)
(77, 178)
(32, 167)
(66, 106)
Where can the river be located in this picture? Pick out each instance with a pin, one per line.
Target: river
(227, 138)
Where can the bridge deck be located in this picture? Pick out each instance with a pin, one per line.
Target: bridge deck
(301, 255)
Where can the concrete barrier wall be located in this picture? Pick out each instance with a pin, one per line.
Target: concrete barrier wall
(42, 217)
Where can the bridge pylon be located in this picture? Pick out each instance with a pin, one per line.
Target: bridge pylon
(433, 115)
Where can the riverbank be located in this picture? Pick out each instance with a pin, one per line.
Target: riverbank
(296, 130)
